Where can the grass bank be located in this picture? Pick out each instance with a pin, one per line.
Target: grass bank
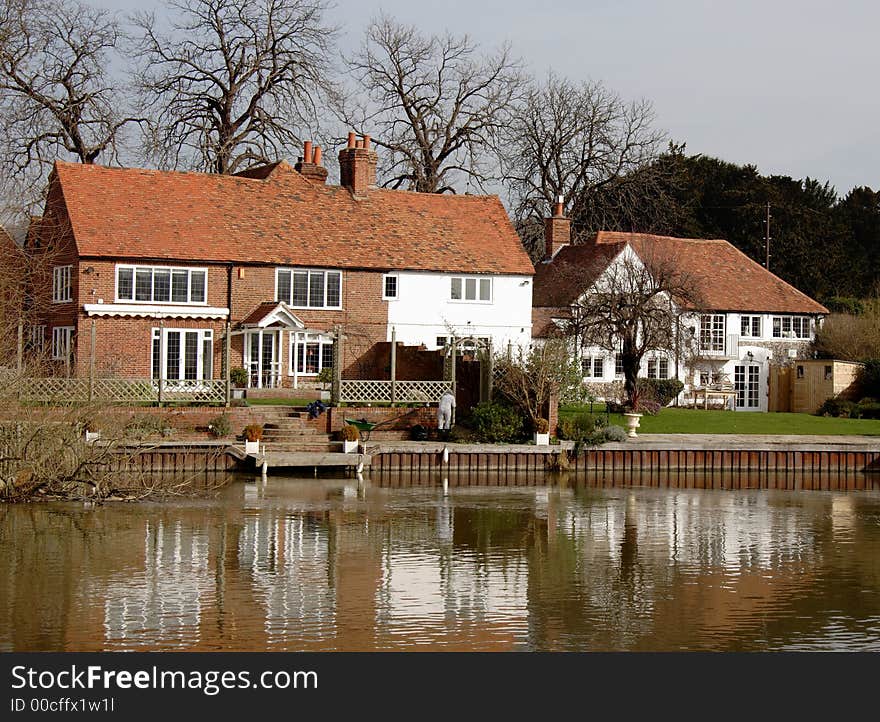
(691, 421)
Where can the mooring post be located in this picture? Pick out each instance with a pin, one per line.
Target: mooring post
(264, 469)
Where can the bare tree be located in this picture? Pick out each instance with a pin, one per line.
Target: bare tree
(433, 102)
(634, 307)
(231, 83)
(57, 96)
(573, 140)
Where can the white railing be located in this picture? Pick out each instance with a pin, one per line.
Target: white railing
(401, 392)
(58, 390)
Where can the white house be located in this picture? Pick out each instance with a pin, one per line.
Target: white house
(749, 319)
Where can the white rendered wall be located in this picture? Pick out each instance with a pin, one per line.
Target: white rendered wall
(424, 310)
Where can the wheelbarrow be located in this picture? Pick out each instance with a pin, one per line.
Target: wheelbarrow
(364, 426)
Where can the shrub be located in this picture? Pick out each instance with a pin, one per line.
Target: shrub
(494, 422)
(220, 426)
(238, 376)
(614, 433)
(142, 425)
(648, 406)
(662, 391)
(92, 426)
(838, 407)
(350, 433)
(325, 376)
(868, 408)
(253, 432)
(578, 427)
(542, 426)
(869, 378)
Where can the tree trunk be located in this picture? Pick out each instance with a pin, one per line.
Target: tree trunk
(631, 362)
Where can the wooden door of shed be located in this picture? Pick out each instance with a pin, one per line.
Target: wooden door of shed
(779, 388)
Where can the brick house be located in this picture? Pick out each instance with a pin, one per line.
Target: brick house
(748, 320)
(148, 268)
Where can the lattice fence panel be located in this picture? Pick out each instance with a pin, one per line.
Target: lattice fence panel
(424, 391)
(204, 392)
(364, 391)
(124, 390)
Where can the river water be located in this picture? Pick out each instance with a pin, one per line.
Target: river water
(557, 564)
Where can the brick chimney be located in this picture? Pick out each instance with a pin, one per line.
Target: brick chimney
(310, 164)
(557, 230)
(357, 166)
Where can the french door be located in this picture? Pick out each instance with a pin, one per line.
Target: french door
(182, 354)
(747, 382)
(262, 354)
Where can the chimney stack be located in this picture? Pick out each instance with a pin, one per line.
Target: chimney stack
(310, 164)
(357, 166)
(557, 230)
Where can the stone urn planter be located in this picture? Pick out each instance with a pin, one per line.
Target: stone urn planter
(632, 423)
(251, 447)
(349, 447)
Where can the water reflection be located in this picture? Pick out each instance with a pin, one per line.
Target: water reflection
(398, 563)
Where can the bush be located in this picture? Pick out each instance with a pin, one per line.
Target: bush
(325, 376)
(496, 423)
(350, 433)
(220, 426)
(143, 425)
(868, 408)
(838, 407)
(648, 406)
(661, 391)
(253, 432)
(615, 433)
(868, 379)
(542, 426)
(238, 376)
(578, 427)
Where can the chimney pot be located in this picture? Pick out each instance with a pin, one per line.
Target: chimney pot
(351, 140)
(366, 142)
(307, 152)
(318, 154)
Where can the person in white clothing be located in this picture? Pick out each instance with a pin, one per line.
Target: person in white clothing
(444, 411)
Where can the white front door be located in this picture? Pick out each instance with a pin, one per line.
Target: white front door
(262, 356)
(747, 382)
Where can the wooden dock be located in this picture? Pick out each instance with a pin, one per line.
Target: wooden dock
(308, 460)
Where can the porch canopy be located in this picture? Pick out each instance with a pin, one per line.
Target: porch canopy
(262, 329)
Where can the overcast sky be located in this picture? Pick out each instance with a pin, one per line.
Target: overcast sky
(790, 86)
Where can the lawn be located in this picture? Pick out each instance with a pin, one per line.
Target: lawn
(690, 421)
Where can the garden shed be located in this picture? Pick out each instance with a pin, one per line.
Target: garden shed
(804, 386)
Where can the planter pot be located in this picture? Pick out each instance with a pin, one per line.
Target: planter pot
(325, 395)
(350, 447)
(632, 423)
(92, 436)
(251, 447)
(542, 439)
(239, 393)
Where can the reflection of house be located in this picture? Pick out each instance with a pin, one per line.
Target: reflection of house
(158, 263)
(748, 318)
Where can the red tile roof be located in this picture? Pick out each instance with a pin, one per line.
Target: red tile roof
(283, 218)
(726, 278)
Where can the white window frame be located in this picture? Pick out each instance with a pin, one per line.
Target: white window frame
(463, 282)
(62, 342)
(713, 338)
(161, 334)
(309, 271)
(171, 270)
(304, 340)
(385, 296)
(618, 366)
(655, 367)
(805, 324)
(62, 284)
(38, 338)
(590, 365)
(750, 320)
